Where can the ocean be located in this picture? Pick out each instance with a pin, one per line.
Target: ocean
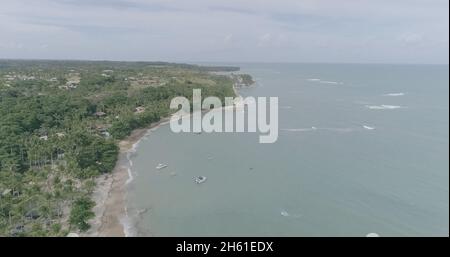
(362, 148)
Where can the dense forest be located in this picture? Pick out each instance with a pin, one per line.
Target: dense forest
(61, 121)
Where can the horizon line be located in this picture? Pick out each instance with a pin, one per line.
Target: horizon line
(212, 62)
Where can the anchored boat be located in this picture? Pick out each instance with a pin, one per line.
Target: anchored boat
(200, 179)
(161, 166)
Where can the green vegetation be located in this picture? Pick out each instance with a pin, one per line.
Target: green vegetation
(81, 213)
(247, 79)
(59, 129)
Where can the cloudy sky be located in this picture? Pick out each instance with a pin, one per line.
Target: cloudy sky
(381, 31)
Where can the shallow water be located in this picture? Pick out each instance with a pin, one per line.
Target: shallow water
(361, 149)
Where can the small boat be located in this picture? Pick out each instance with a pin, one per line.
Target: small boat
(200, 179)
(161, 166)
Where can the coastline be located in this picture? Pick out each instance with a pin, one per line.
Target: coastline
(110, 194)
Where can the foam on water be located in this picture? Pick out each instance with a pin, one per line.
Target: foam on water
(331, 82)
(284, 213)
(395, 94)
(341, 130)
(300, 129)
(383, 107)
(349, 129)
(127, 223)
(130, 177)
(368, 127)
(326, 81)
(130, 162)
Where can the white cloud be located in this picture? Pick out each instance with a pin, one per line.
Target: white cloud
(227, 30)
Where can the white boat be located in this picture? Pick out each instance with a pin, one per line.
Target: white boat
(161, 166)
(200, 179)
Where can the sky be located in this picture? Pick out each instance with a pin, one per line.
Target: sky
(343, 31)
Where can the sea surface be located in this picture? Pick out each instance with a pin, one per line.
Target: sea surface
(361, 149)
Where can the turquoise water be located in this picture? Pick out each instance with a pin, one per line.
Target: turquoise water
(339, 179)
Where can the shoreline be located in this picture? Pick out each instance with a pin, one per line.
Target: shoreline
(110, 194)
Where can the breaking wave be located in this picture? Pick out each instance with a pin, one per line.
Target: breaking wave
(341, 130)
(383, 107)
(285, 213)
(300, 129)
(395, 94)
(331, 82)
(326, 81)
(368, 127)
(127, 223)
